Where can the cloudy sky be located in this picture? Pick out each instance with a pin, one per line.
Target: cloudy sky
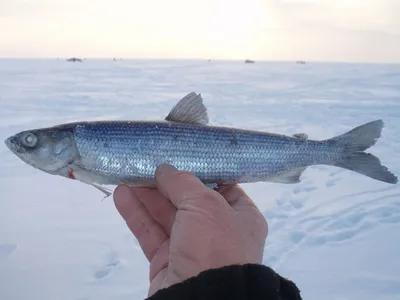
(328, 30)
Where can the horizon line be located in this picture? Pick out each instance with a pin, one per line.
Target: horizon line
(119, 58)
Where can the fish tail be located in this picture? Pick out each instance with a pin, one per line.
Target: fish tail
(353, 157)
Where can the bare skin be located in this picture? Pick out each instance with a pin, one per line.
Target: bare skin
(185, 228)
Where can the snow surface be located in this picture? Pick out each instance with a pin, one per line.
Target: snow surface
(336, 234)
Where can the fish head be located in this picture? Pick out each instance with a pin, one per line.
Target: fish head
(48, 149)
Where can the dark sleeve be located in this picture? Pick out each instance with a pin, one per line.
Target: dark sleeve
(246, 282)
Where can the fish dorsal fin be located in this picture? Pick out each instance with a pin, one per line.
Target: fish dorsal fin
(301, 136)
(190, 109)
(292, 176)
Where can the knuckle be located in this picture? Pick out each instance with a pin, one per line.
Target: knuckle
(182, 176)
(209, 195)
(199, 197)
(203, 201)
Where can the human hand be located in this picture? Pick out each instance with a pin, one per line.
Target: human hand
(184, 227)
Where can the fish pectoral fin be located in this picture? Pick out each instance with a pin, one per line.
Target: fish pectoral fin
(301, 136)
(106, 191)
(292, 176)
(89, 178)
(190, 109)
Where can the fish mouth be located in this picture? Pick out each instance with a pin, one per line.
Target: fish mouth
(12, 144)
(9, 143)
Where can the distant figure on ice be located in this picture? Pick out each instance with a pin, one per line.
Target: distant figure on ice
(74, 59)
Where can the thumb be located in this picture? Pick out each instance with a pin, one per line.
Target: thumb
(181, 186)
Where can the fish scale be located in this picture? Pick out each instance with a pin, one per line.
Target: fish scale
(214, 154)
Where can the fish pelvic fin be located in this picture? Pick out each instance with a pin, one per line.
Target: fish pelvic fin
(105, 191)
(354, 143)
(290, 176)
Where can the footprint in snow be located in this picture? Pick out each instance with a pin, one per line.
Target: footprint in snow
(297, 236)
(349, 223)
(111, 261)
(332, 182)
(306, 187)
(301, 194)
(296, 198)
(307, 215)
(298, 202)
(335, 172)
(283, 199)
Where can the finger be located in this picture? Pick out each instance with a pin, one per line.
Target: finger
(147, 231)
(235, 196)
(248, 210)
(158, 206)
(183, 187)
(160, 260)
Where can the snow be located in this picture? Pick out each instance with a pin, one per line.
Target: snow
(336, 234)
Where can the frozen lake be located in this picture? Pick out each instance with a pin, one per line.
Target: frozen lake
(336, 234)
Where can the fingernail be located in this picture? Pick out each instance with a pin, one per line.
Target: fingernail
(165, 169)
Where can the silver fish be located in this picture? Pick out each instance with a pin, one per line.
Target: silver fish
(114, 152)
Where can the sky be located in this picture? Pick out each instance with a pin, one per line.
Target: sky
(322, 30)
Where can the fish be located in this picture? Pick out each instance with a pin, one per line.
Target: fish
(113, 152)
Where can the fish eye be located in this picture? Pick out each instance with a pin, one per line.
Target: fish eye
(29, 140)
